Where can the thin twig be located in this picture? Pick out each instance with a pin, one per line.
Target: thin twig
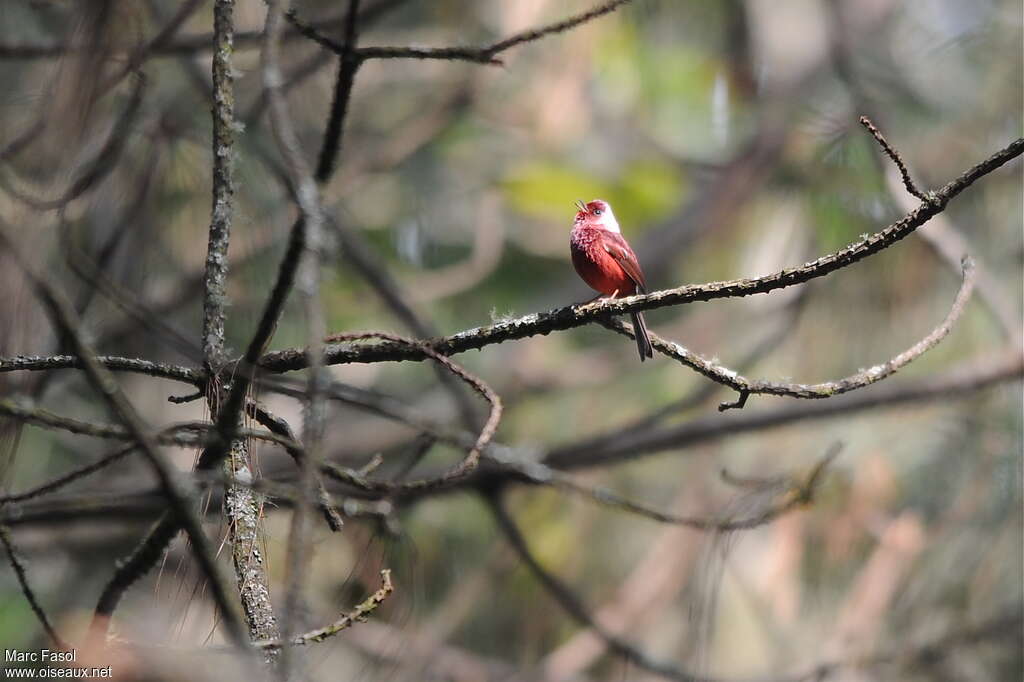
(574, 606)
(798, 493)
(37, 416)
(746, 387)
(487, 54)
(280, 427)
(70, 477)
(891, 152)
(26, 589)
(185, 46)
(347, 68)
(185, 434)
(133, 568)
(1006, 625)
(95, 274)
(142, 52)
(353, 248)
(358, 614)
(617, 447)
(308, 285)
(79, 258)
(472, 458)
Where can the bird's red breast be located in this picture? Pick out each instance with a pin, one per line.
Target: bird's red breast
(592, 249)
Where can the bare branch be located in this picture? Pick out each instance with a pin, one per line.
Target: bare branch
(642, 439)
(487, 54)
(94, 273)
(134, 567)
(617, 446)
(26, 589)
(797, 493)
(161, 39)
(43, 418)
(308, 284)
(70, 477)
(354, 250)
(242, 505)
(347, 620)
(632, 444)
(472, 458)
(223, 144)
(189, 45)
(113, 363)
(896, 158)
(280, 427)
(1006, 625)
(576, 316)
(574, 606)
(746, 387)
(347, 69)
(186, 434)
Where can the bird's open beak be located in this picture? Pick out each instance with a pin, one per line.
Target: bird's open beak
(581, 206)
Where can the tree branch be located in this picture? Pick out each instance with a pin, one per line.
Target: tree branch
(797, 493)
(746, 387)
(574, 606)
(279, 426)
(459, 471)
(347, 620)
(222, 212)
(486, 54)
(894, 155)
(242, 505)
(26, 589)
(113, 363)
(575, 316)
(622, 446)
(308, 284)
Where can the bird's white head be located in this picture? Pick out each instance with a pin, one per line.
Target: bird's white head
(596, 213)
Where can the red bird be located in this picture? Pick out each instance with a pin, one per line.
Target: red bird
(604, 260)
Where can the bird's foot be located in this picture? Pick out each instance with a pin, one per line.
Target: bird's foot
(599, 297)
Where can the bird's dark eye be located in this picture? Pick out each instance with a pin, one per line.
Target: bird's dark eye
(598, 211)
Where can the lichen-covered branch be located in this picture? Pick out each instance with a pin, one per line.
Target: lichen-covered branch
(113, 363)
(243, 506)
(222, 212)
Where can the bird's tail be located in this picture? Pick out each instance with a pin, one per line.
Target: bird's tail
(643, 341)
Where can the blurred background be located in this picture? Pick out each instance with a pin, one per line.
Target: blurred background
(725, 136)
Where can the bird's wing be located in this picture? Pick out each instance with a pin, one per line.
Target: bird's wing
(618, 249)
